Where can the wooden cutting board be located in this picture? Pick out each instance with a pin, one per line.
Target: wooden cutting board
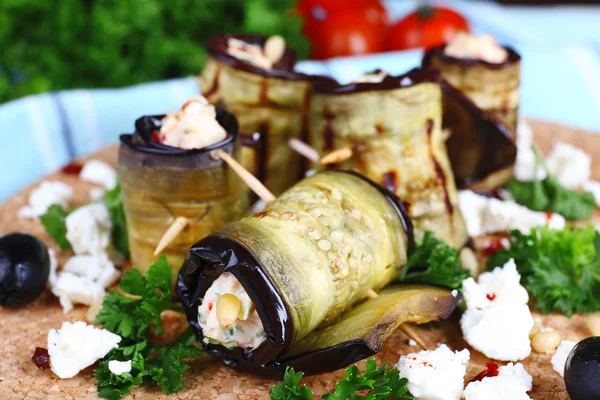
(24, 328)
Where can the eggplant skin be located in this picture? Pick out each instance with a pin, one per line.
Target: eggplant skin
(361, 332)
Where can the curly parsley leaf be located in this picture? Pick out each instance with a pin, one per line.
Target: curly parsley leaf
(374, 384)
(131, 313)
(549, 195)
(54, 223)
(560, 268)
(435, 262)
(113, 202)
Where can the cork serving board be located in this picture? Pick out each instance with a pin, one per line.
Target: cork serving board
(23, 328)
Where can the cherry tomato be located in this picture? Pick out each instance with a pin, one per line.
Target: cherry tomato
(334, 31)
(427, 27)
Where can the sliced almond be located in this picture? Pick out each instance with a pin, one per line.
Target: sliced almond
(229, 307)
(274, 48)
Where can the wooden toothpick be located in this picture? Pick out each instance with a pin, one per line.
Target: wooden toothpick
(304, 149)
(406, 328)
(337, 156)
(170, 234)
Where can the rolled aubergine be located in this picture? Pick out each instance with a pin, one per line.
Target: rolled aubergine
(160, 183)
(394, 126)
(271, 106)
(493, 87)
(287, 286)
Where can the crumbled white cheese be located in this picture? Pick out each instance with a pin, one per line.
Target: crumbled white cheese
(74, 289)
(45, 195)
(246, 332)
(486, 215)
(194, 127)
(483, 47)
(96, 193)
(100, 173)
(525, 164)
(560, 356)
(119, 367)
(569, 165)
(411, 342)
(76, 346)
(594, 188)
(98, 268)
(53, 267)
(88, 229)
(436, 374)
(497, 321)
(513, 382)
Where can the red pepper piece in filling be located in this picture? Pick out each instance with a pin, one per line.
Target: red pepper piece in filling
(493, 247)
(156, 136)
(491, 370)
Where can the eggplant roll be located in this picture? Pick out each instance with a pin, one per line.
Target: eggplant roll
(271, 106)
(493, 87)
(302, 269)
(394, 127)
(160, 183)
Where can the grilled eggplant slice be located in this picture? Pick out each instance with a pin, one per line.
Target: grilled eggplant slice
(304, 262)
(160, 183)
(271, 107)
(493, 87)
(394, 127)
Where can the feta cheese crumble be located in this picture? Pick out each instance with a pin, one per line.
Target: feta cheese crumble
(569, 165)
(194, 127)
(486, 215)
(497, 321)
(76, 346)
(88, 229)
(100, 173)
(45, 195)
(246, 332)
(525, 164)
(559, 358)
(436, 374)
(513, 382)
(483, 47)
(594, 188)
(119, 367)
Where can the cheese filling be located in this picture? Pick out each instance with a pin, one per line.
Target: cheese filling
(249, 53)
(228, 316)
(483, 48)
(194, 127)
(371, 77)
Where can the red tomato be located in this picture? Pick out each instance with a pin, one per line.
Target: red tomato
(359, 27)
(427, 27)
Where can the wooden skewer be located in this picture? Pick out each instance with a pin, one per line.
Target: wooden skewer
(170, 234)
(406, 328)
(257, 187)
(180, 222)
(302, 148)
(337, 156)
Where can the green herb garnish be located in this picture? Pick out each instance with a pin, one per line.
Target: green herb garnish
(113, 202)
(560, 268)
(435, 262)
(374, 384)
(132, 317)
(549, 195)
(54, 223)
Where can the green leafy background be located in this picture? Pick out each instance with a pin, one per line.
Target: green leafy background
(55, 45)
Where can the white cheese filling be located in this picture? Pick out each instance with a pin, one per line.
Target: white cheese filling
(559, 358)
(497, 321)
(250, 53)
(513, 382)
(76, 346)
(194, 127)
(371, 77)
(436, 374)
(483, 48)
(486, 215)
(246, 332)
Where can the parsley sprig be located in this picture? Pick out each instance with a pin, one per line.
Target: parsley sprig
(549, 195)
(374, 384)
(132, 313)
(560, 268)
(435, 262)
(55, 225)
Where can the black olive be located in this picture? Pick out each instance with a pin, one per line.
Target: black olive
(24, 268)
(582, 370)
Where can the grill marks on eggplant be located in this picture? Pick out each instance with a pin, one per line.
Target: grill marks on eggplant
(440, 173)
